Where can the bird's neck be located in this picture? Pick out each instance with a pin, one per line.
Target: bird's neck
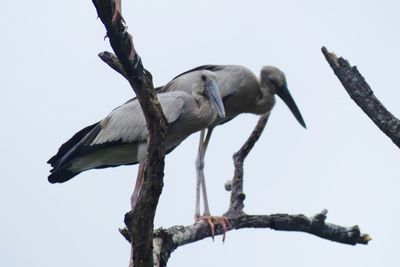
(266, 101)
(205, 112)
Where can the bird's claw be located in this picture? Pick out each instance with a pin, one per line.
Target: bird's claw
(215, 220)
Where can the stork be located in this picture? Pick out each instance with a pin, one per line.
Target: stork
(241, 92)
(121, 137)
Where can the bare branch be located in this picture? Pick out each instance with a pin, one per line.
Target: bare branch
(362, 94)
(111, 60)
(167, 240)
(237, 195)
(140, 221)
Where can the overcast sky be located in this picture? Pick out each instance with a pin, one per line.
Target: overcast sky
(53, 84)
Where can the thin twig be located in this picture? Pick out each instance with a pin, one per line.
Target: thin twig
(362, 94)
(111, 60)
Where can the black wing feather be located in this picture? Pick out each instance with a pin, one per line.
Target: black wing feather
(68, 149)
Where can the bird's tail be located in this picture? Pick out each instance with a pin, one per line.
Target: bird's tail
(61, 175)
(62, 160)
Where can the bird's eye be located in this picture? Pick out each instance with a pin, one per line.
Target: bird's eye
(271, 78)
(273, 81)
(203, 78)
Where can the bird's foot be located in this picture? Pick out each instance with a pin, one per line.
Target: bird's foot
(215, 220)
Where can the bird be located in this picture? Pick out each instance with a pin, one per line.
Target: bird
(121, 137)
(241, 92)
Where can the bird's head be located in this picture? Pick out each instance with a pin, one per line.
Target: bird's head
(206, 86)
(274, 79)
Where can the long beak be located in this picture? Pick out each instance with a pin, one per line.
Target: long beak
(213, 94)
(284, 94)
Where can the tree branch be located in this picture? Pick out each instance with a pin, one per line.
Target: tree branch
(237, 196)
(111, 60)
(362, 94)
(139, 221)
(168, 240)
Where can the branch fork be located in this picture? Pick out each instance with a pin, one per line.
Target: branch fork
(168, 240)
(154, 249)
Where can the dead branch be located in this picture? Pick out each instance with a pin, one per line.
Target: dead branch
(362, 94)
(111, 60)
(168, 240)
(139, 221)
(237, 196)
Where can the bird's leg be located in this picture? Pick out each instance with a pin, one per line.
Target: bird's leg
(138, 185)
(131, 263)
(135, 197)
(198, 176)
(211, 220)
(201, 155)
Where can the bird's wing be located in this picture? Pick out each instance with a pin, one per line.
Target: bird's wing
(127, 123)
(170, 86)
(72, 142)
(203, 67)
(234, 79)
(229, 79)
(173, 104)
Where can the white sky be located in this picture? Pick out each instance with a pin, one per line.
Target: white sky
(54, 84)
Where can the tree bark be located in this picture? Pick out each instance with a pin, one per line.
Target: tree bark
(359, 90)
(139, 221)
(168, 240)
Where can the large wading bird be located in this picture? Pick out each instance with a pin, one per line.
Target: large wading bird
(121, 137)
(241, 92)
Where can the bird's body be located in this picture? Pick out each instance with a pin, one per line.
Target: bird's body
(121, 138)
(241, 92)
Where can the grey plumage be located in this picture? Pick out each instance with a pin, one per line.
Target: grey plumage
(121, 137)
(242, 92)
